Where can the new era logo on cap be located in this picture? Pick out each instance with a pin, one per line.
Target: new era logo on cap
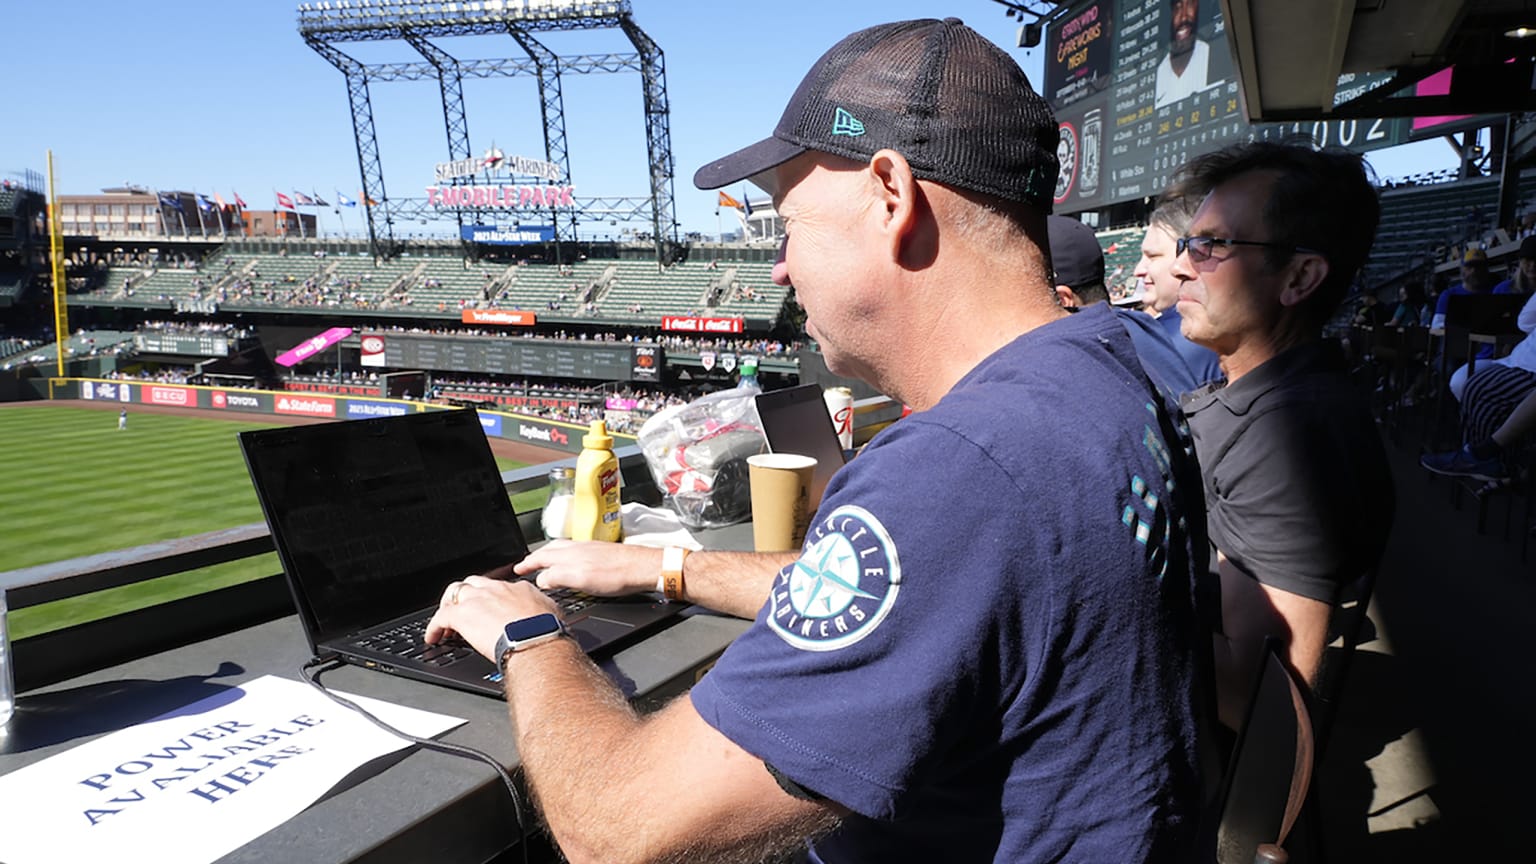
(844, 123)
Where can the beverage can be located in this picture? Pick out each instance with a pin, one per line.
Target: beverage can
(840, 406)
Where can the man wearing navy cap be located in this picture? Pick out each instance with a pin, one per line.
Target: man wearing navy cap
(989, 648)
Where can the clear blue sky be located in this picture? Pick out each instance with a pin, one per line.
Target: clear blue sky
(225, 96)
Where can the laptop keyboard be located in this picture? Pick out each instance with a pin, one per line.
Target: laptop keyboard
(408, 640)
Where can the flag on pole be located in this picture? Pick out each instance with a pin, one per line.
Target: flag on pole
(217, 199)
(318, 201)
(746, 203)
(303, 200)
(284, 201)
(728, 201)
(170, 201)
(345, 201)
(203, 202)
(366, 200)
(239, 202)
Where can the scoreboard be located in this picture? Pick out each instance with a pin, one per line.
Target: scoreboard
(1129, 120)
(179, 342)
(542, 358)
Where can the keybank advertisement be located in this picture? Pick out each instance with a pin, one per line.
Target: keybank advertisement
(560, 437)
(357, 408)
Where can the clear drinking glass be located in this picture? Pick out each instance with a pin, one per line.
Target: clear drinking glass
(556, 519)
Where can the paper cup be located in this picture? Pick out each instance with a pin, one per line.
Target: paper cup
(781, 500)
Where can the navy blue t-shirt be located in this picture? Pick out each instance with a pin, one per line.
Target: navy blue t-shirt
(988, 649)
(1202, 360)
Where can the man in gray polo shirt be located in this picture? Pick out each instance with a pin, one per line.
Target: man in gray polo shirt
(1298, 492)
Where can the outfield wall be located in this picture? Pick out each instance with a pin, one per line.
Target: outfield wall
(551, 434)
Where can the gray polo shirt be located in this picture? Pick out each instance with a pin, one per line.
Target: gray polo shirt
(1297, 488)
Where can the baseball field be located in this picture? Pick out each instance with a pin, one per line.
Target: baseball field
(73, 484)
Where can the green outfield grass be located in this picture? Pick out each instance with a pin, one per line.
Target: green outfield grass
(72, 484)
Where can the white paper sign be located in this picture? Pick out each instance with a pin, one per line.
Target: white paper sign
(196, 783)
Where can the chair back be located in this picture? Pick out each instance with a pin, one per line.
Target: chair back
(1484, 313)
(1345, 628)
(1271, 767)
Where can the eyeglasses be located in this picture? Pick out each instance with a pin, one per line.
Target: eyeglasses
(1204, 248)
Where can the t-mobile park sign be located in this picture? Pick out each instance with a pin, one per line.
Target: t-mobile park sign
(506, 197)
(496, 163)
(684, 324)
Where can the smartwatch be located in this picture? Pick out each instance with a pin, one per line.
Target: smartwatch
(525, 633)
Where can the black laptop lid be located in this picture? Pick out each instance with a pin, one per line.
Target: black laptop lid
(371, 518)
(795, 420)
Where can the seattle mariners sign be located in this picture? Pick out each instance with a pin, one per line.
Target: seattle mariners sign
(841, 588)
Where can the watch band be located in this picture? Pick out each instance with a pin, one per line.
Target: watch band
(671, 584)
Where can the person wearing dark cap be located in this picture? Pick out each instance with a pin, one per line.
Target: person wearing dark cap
(1078, 263)
(988, 648)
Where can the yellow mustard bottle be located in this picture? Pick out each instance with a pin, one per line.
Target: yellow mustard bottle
(595, 508)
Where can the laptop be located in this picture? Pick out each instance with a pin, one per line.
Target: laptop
(795, 420)
(373, 518)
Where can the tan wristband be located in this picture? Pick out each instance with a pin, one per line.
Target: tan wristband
(671, 582)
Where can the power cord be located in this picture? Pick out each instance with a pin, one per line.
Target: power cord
(311, 672)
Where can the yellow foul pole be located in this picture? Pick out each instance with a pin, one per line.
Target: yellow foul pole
(56, 256)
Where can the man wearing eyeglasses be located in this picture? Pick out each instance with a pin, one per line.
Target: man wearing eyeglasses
(1298, 492)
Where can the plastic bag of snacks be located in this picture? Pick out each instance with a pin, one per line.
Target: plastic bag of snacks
(698, 453)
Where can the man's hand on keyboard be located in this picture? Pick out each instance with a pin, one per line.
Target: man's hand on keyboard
(477, 608)
(602, 569)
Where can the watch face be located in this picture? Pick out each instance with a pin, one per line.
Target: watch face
(529, 628)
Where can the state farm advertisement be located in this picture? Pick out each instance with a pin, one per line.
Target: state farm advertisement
(502, 317)
(306, 406)
(685, 324)
(156, 395)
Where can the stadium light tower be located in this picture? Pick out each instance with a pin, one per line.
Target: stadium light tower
(324, 25)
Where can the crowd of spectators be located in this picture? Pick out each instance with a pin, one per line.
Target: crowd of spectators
(201, 328)
(624, 408)
(760, 347)
(158, 373)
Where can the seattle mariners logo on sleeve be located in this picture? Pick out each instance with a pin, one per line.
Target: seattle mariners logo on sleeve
(841, 588)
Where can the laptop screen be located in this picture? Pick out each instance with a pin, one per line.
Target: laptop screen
(795, 420)
(371, 518)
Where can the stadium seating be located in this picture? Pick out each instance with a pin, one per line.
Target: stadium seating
(1417, 222)
(618, 291)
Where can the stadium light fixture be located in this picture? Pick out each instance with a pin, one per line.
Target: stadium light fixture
(1520, 33)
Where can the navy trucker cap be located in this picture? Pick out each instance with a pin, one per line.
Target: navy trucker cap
(952, 103)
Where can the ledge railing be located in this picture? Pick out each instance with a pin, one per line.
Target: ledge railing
(52, 656)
